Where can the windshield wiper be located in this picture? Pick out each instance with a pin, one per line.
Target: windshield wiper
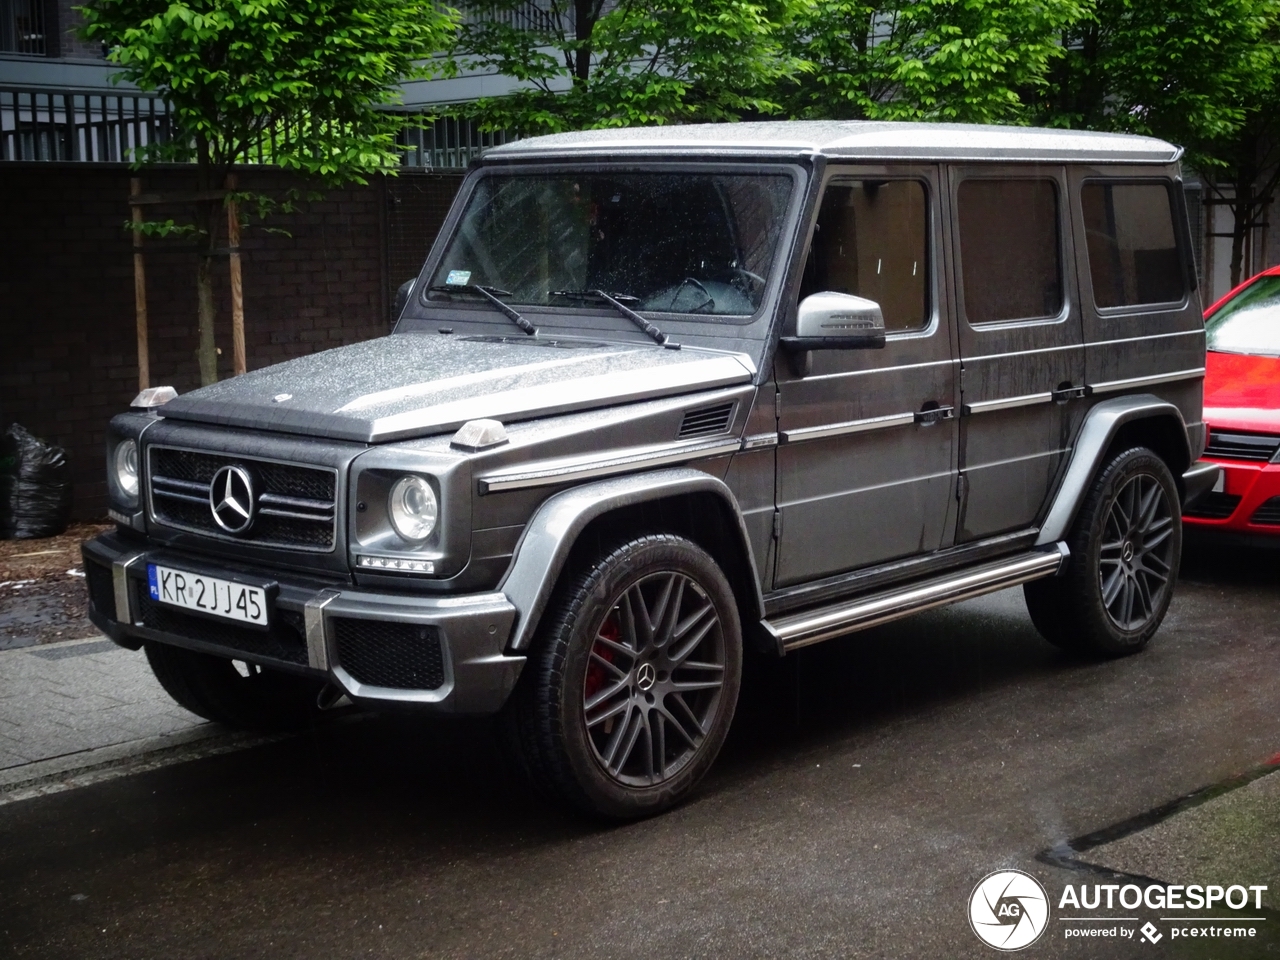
(615, 300)
(491, 294)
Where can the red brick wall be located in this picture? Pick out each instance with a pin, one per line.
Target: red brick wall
(67, 347)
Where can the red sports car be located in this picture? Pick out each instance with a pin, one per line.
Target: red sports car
(1242, 411)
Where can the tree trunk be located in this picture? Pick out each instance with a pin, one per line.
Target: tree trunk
(1242, 213)
(208, 350)
(207, 219)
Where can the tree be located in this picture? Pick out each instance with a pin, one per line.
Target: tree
(590, 63)
(296, 83)
(971, 61)
(1201, 73)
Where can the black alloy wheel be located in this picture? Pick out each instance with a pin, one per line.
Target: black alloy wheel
(632, 683)
(1126, 546)
(654, 680)
(1134, 568)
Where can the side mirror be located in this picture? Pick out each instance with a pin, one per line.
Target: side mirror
(837, 321)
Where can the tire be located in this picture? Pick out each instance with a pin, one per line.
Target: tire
(632, 682)
(1126, 544)
(213, 688)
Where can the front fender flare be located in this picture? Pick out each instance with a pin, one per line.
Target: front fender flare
(549, 536)
(1101, 424)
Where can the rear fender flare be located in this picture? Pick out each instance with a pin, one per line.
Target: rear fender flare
(550, 535)
(1101, 425)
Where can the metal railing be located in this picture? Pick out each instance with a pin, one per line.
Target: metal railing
(74, 125)
(447, 143)
(22, 27)
(95, 127)
(534, 15)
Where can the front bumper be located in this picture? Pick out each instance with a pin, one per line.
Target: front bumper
(441, 653)
(1247, 503)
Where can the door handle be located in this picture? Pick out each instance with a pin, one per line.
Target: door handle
(1064, 394)
(935, 414)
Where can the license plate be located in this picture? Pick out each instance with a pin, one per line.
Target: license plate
(211, 595)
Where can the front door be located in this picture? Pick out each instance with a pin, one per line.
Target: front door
(1021, 350)
(866, 458)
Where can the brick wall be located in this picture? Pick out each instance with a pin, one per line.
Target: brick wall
(63, 22)
(68, 360)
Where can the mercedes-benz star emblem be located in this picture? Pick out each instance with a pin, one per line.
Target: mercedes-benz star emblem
(231, 499)
(646, 676)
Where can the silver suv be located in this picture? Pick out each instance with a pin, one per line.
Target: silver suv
(659, 396)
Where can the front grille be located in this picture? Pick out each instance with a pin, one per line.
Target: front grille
(1268, 513)
(285, 640)
(102, 588)
(296, 505)
(707, 421)
(1242, 446)
(1213, 506)
(403, 656)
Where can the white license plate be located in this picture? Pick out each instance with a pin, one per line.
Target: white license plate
(195, 591)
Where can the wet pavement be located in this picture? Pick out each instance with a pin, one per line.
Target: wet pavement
(869, 784)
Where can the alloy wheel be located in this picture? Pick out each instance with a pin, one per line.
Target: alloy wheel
(1135, 564)
(654, 678)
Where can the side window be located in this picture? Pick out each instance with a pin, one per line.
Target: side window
(1133, 250)
(871, 240)
(1009, 249)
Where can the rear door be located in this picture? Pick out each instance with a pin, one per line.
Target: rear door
(866, 462)
(1021, 342)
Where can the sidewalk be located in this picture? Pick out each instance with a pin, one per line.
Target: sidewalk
(77, 712)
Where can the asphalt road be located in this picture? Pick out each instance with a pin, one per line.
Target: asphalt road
(869, 784)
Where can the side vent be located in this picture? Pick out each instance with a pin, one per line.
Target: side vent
(707, 421)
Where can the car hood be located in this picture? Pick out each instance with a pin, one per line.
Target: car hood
(417, 384)
(1242, 392)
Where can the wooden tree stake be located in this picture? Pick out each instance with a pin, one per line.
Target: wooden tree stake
(237, 287)
(140, 289)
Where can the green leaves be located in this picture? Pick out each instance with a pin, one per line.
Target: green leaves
(969, 61)
(299, 82)
(577, 66)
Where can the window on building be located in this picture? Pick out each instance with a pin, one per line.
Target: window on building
(22, 27)
(1009, 249)
(1133, 250)
(871, 240)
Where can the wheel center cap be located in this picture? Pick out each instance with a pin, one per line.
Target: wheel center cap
(1126, 553)
(646, 676)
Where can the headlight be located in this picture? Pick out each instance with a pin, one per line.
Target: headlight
(413, 508)
(126, 464)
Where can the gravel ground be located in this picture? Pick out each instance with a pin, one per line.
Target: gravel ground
(42, 595)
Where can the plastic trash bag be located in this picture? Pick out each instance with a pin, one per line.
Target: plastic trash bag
(35, 486)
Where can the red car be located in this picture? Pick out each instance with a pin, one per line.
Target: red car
(1242, 411)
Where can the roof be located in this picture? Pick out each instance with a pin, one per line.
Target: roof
(847, 139)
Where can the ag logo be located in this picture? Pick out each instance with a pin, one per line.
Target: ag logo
(1008, 910)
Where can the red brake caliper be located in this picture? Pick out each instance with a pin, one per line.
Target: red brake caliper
(596, 674)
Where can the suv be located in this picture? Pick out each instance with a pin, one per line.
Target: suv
(660, 395)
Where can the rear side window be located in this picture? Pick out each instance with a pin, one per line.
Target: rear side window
(1133, 251)
(871, 241)
(1009, 249)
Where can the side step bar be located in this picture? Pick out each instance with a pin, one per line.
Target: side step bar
(822, 623)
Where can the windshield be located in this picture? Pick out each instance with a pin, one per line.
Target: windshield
(1249, 322)
(689, 243)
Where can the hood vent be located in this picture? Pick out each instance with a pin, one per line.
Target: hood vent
(707, 421)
